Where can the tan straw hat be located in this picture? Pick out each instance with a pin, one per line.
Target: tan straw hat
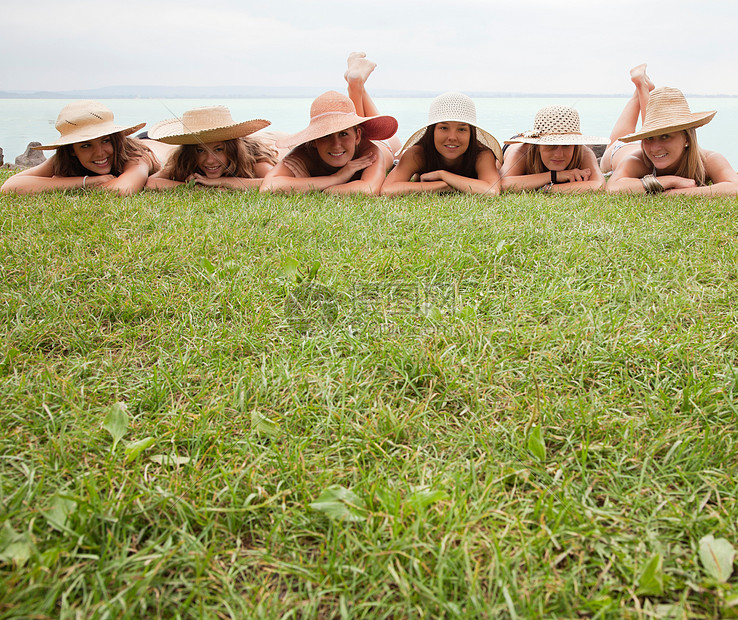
(556, 124)
(455, 107)
(667, 111)
(208, 124)
(86, 120)
(332, 112)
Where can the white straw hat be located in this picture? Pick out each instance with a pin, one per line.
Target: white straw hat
(667, 110)
(207, 124)
(85, 120)
(455, 107)
(556, 124)
(332, 112)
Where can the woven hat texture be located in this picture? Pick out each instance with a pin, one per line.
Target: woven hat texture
(667, 111)
(206, 124)
(556, 124)
(86, 120)
(458, 108)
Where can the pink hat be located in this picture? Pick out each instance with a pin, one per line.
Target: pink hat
(332, 112)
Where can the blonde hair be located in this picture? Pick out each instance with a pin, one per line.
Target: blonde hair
(692, 162)
(242, 153)
(534, 163)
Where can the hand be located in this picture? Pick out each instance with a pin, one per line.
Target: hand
(201, 179)
(573, 175)
(674, 182)
(351, 168)
(296, 166)
(433, 175)
(97, 180)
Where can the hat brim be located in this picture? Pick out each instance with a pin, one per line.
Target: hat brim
(486, 138)
(173, 131)
(563, 139)
(698, 120)
(98, 131)
(379, 127)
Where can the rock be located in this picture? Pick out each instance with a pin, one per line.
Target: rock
(598, 149)
(30, 158)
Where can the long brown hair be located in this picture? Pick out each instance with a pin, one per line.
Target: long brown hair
(692, 163)
(432, 157)
(242, 154)
(316, 166)
(534, 163)
(125, 150)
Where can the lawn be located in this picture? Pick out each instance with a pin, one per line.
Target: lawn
(222, 404)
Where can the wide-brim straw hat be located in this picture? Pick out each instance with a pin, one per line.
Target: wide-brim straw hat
(556, 125)
(453, 107)
(202, 125)
(332, 112)
(86, 120)
(667, 111)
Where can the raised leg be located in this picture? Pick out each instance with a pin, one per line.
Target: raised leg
(358, 71)
(635, 107)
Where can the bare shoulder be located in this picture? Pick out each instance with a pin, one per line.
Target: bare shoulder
(517, 149)
(513, 163)
(718, 168)
(414, 157)
(590, 159)
(713, 157)
(632, 166)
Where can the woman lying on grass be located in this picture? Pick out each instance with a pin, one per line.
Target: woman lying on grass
(553, 157)
(347, 146)
(451, 153)
(213, 150)
(92, 152)
(668, 158)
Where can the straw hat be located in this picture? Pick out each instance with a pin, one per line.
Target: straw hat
(556, 124)
(667, 111)
(332, 112)
(455, 108)
(208, 124)
(86, 120)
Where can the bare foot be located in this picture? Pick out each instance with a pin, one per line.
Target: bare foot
(359, 67)
(638, 77)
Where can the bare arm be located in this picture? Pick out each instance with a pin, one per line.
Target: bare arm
(724, 178)
(514, 178)
(587, 179)
(398, 180)
(287, 175)
(371, 178)
(488, 181)
(41, 179)
(626, 178)
(157, 181)
(241, 183)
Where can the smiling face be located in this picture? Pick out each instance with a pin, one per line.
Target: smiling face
(665, 151)
(212, 160)
(556, 156)
(451, 140)
(338, 149)
(95, 155)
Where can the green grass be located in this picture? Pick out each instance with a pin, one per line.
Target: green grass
(410, 351)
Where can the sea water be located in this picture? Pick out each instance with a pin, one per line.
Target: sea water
(26, 120)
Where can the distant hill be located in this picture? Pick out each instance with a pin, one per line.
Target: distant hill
(235, 92)
(192, 92)
(250, 92)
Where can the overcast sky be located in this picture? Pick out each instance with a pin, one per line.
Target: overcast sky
(526, 46)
